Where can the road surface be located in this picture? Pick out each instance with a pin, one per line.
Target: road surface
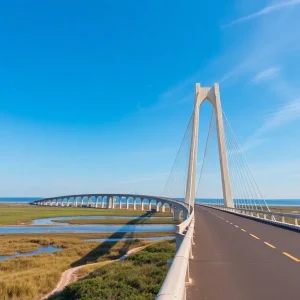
(236, 258)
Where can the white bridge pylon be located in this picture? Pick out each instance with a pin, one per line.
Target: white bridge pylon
(211, 94)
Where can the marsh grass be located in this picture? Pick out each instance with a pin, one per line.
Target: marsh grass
(28, 278)
(139, 277)
(25, 214)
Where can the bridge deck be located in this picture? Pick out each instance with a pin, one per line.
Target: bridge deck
(229, 263)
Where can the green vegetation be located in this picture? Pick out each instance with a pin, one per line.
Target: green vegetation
(24, 214)
(27, 278)
(139, 277)
(120, 221)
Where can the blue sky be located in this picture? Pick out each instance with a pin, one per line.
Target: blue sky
(96, 95)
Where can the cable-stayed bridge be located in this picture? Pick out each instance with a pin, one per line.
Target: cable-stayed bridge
(233, 247)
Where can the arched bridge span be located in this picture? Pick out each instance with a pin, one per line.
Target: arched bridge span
(120, 201)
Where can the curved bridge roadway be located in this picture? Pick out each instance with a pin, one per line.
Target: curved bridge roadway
(236, 258)
(118, 200)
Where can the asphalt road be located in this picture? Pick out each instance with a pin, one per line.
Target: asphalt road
(236, 258)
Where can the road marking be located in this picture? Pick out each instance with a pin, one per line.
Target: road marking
(291, 256)
(231, 223)
(236, 226)
(254, 236)
(270, 245)
(227, 221)
(243, 230)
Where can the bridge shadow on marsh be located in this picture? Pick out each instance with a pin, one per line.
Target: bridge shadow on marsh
(106, 247)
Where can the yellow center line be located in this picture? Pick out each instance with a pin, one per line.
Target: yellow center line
(270, 245)
(243, 230)
(291, 256)
(254, 236)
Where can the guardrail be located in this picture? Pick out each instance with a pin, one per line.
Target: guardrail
(266, 216)
(174, 285)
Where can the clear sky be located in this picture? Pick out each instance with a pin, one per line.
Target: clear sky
(96, 95)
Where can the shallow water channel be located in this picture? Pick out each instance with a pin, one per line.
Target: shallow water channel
(47, 249)
(47, 225)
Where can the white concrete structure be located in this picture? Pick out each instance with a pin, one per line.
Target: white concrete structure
(213, 96)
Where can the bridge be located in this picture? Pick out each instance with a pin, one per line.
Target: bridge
(231, 248)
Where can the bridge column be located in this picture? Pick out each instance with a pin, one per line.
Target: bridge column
(96, 203)
(110, 202)
(113, 202)
(157, 206)
(142, 204)
(176, 213)
(163, 208)
(102, 203)
(150, 205)
(120, 202)
(127, 203)
(81, 202)
(134, 203)
(185, 214)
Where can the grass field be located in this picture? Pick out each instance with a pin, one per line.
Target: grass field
(27, 278)
(286, 209)
(24, 214)
(139, 277)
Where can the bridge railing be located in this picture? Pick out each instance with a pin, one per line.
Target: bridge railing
(279, 218)
(174, 285)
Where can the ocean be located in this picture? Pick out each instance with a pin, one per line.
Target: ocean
(270, 202)
(18, 199)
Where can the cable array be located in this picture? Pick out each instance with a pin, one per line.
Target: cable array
(175, 186)
(245, 191)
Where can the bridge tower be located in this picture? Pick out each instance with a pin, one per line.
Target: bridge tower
(213, 96)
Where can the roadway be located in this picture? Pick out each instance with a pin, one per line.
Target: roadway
(236, 258)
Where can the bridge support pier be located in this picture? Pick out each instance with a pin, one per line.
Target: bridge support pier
(127, 203)
(150, 205)
(185, 215)
(157, 206)
(142, 204)
(113, 202)
(176, 213)
(120, 202)
(134, 204)
(109, 202)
